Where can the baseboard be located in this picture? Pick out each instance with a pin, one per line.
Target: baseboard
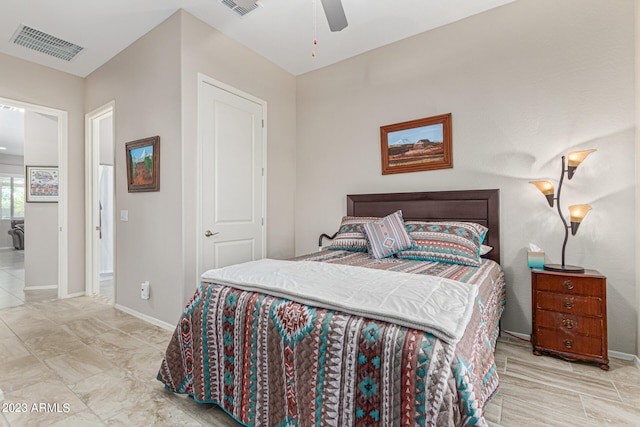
(623, 356)
(516, 334)
(39, 288)
(149, 319)
(612, 353)
(74, 295)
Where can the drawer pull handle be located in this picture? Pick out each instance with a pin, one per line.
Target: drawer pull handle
(568, 323)
(568, 343)
(568, 284)
(568, 304)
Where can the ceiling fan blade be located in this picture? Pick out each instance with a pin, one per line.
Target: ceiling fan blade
(335, 14)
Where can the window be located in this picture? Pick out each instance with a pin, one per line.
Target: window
(12, 197)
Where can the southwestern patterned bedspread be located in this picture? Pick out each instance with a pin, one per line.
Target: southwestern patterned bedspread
(269, 361)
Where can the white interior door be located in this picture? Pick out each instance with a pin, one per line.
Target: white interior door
(232, 228)
(106, 202)
(100, 224)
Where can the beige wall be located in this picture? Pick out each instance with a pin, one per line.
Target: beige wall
(144, 82)
(525, 83)
(41, 219)
(27, 82)
(637, 159)
(12, 165)
(107, 152)
(155, 93)
(210, 52)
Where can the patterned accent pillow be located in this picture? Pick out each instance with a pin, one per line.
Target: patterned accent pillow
(453, 242)
(350, 234)
(387, 236)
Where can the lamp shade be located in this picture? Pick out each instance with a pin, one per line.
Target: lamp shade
(574, 159)
(577, 214)
(546, 188)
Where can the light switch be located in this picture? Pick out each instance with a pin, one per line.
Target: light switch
(124, 215)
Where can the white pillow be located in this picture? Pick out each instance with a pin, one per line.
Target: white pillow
(484, 249)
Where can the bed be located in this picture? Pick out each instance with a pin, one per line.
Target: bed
(297, 342)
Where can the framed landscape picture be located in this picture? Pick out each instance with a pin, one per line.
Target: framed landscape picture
(143, 165)
(417, 145)
(43, 184)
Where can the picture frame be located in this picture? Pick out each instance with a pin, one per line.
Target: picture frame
(143, 165)
(43, 184)
(417, 145)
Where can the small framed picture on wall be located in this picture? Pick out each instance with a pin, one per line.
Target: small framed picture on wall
(417, 145)
(43, 184)
(143, 165)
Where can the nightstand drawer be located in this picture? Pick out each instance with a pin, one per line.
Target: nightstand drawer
(592, 286)
(569, 342)
(569, 315)
(571, 304)
(589, 326)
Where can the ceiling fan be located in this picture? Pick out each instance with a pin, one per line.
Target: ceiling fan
(335, 14)
(333, 10)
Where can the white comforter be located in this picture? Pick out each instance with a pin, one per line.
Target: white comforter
(437, 305)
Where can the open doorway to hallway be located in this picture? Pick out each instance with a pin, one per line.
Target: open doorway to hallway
(32, 273)
(100, 217)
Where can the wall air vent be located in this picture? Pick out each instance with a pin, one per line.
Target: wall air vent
(45, 43)
(241, 7)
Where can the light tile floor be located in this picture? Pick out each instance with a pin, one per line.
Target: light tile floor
(12, 291)
(547, 391)
(12, 281)
(84, 363)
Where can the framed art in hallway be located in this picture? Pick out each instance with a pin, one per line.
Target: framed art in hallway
(143, 165)
(417, 145)
(43, 184)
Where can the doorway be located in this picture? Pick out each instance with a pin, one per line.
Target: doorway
(100, 195)
(50, 125)
(232, 193)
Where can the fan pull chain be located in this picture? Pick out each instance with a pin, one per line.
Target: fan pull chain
(315, 27)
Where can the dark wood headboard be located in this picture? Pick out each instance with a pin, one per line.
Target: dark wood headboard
(481, 206)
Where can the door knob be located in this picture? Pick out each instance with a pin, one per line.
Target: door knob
(208, 233)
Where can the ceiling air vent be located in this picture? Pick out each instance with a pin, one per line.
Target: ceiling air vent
(45, 43)
(241, 7)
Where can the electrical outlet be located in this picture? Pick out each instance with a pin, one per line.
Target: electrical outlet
(144, 290)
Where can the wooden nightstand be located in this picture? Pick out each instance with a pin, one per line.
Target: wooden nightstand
(569, 314)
